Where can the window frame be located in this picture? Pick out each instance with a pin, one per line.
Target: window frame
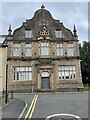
(59, 49)
(43, 46)
(20, 75)
(16, 50)
(67, 74)
(58, 33)
(70, 50)
(28, 50)
(28, 33)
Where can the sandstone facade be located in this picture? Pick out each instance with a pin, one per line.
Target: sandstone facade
(43, 55)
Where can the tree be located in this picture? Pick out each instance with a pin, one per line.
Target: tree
(85, 61)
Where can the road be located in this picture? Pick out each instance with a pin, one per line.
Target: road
(41, 105)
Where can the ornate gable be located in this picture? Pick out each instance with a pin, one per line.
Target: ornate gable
(44, 31)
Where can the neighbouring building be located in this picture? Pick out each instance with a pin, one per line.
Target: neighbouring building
(3, 62)
(43, 55)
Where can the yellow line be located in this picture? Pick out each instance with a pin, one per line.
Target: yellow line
(30, 116)
(30, 108)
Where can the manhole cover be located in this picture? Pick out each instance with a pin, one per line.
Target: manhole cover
(63, 117)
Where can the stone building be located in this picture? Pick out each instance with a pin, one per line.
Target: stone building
(3, 62)
(43, 55)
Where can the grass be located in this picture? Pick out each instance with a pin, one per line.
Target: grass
(87, 88)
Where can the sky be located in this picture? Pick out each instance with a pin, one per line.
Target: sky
(70, 13)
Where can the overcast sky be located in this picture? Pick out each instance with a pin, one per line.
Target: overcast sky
(70, 13)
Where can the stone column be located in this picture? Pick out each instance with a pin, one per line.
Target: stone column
(52, 87)
(39, 81)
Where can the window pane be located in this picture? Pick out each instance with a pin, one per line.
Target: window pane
(30, 75)
(28, 50)
(22, 73)
(17, 68)
(16, 49)
(63, 67)
(74, 68)
(14, 76)
(59, 49)
(67, 72)
(66, 67)
(70, 68)
(70, 51)
(70, 45)
(26, 68)
(22, 68)
(44, 49)
(59, 68)
(28, 45)
(58, 52)
(74, 74)
(61, 52)
(58, 33)
(28, 33)
(30, 69)
(27, 76)
(62, 74)
(16, 45)
(59, 75)
(71, 74)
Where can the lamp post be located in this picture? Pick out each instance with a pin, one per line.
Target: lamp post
(6, 95)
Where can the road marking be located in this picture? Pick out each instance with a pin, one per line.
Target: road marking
(30, 108)
(63, 114)
(23, 111)
(30, 116)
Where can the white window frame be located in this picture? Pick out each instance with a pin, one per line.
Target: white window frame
(70, 49)
(44, 49)
(16, 50)
(58, 33)
(67, 72)
(28, 50)
(22, 73)
(28, 33)
(59, 49)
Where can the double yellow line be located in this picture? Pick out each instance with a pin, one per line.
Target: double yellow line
(31, 108)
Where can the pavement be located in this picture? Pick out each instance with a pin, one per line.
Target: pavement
(13, 110)
(2, 102)
(9, 110)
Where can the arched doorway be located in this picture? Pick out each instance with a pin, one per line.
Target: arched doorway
(45, 80)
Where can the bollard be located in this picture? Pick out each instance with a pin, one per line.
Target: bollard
(11, 94)
(3, 93)
(8, 97)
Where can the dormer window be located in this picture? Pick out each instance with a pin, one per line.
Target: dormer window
(28, 33)
(58, 33)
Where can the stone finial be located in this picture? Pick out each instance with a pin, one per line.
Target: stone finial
(42, 7)
(9, 30)
(75, 31)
